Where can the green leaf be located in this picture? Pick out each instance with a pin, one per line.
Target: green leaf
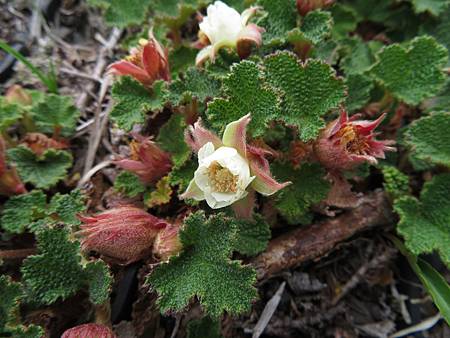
(441, 30)
(175, 13)
(245, 93)
(252, 236)
(99, 279)
(308, 187)
(359, 88)
(440, 102)
(182, 176)
(30, 331)
(19, 211)
(9, 114)
(206, 327)
(125, 13)
(425, 223)
(429, 139)
(55, 273)
(11, 293)
(129, 184)
(396, 184)
(345, 19)
(132, 102)
(281, 17)
(66, 207)
(195, 83)
(412, 72)
(433, 281)
(42, 171)
(434, 7)
(316, 26)
(310, 89)
(174, 145)
(204, 269)
(160, 195)
(180, 59)
(55, 112)
(359, 56)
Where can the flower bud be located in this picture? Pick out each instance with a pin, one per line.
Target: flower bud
(90, 330)
(167, 242)
(16, 94)
(39, 143)
(147, 62)
(306, 6)
(124, 233)
(10, 183)
(147, 160)
(346, 143)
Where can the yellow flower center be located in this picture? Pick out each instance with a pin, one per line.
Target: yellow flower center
(221, 178)
(352, 141)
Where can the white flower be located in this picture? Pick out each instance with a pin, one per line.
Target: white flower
(225, 27)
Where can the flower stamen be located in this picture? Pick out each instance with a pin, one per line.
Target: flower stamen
(352, 141)
(222, 180)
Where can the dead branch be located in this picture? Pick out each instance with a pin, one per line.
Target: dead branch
(17, 253)
(314, 241)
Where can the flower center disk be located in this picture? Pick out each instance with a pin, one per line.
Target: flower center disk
(222, 180)
(352, 141)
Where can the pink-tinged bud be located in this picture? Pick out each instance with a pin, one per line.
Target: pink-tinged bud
(16, 94)
(346, 143)
(306, 6)
(39, 143)
(10, 183)
(147, 62)
(167, 242)
(89, 331)
(147, 160)
(125, 233)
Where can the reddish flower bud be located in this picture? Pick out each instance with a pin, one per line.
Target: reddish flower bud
(39, 143)
(147, 62)
(147, 161)
(346, 142)
(125, 233)
(16, 94)
(10, 183)
(167, 242)
(306, 6)
(90, 330)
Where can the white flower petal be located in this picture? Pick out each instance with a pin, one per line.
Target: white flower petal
(205, 151)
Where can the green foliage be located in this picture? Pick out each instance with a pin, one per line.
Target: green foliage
(99, 280)
(308, 187)
(425, 223)
(132, 102)
(129, 184)
(175, 13)
(429, 139)
(46, 285)
(9, 114)
(310, 90)
(281, 18)
(42, 171)
(204, 269)
(396, 184)
(316, 26)
(195, 83)
(412, 72)
(30, 331)
(171, 139)
(252, 236)
(19, 211)
(123, 13)
(11, 293)
(435, 7)
(359, 56)
(160, 195)
(55, 113)
(440, 30)
(206, 327)
(65, 207)
(345, 20)
(182, 176)
(245, 93)
(440, 102)
(359, 88)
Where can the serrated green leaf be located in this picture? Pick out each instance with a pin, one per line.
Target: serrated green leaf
(125, 13)
(441, 30)
(308, 187)
(345, 19)
(20, 211)
(55, 113)
(310, 89)
(174, 145)
(11, 293)
(129, 184)
(160, 195)
(281, 17)
(196, 83)
(30, 331)
(429, 138)
(440, 102)
(359, 56)
(55, 273)
(425, 223)
(42, 171)
(99, 279)
(132, 102)
(204, 269)
(252, 236)
(316, 25)
(181, 59)
(245, 93)
(182, 176)
(175, 13)
(396, 184)
(413, 72)
(206, 327)
(67, 206)
(359, 88)
(9, 114)
(435, 7)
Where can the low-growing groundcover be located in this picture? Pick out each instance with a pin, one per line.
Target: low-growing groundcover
(208, 152)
